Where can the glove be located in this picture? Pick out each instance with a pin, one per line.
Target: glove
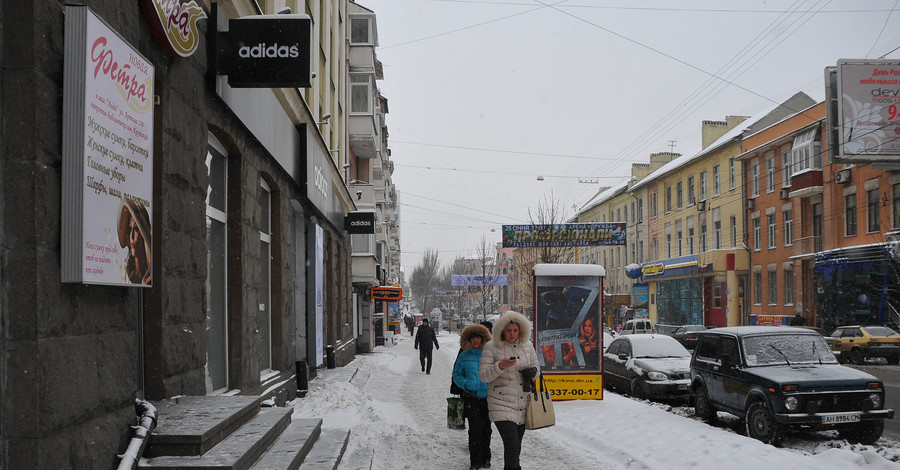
(528, 375)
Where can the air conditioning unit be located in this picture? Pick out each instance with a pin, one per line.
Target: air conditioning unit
(842, 177)
(701, 206)
(751, 203)
(784, 193)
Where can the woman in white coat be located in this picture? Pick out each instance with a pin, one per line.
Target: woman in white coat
(502, 359)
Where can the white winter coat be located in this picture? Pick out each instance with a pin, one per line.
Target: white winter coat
(506, 398)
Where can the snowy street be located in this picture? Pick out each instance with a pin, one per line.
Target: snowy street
(398, 413)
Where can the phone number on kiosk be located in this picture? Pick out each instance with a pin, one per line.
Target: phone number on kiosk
(576, 392)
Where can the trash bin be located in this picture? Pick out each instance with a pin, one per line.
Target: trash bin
(329, 356)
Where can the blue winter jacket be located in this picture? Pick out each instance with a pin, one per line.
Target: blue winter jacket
(465, 373)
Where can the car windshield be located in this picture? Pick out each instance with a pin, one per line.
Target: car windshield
(880, 331)
(659, 346)
(767, 350)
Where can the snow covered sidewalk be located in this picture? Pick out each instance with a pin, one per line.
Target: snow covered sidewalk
(397, 415)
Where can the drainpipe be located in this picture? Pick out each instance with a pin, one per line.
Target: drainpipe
(142, 431)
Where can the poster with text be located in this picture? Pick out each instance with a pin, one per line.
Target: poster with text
(567, 323)
(108, 156)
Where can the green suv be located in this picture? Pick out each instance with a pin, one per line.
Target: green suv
(780, 377)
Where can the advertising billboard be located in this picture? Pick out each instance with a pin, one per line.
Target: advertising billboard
(588, 234)
(868, 99)
(108, 129)
(568, 329)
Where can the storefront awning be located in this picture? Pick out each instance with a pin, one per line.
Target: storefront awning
(680, 266)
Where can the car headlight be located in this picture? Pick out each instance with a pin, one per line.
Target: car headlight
(875, 398)
(792, 403)
(657, 376)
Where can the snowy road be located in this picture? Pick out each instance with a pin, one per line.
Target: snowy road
(398, 413)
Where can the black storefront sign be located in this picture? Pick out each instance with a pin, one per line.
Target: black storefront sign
(265, 51)
(360, 222)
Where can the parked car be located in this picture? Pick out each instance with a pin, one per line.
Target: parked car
(777, 378)
(648, 366)
(856, 343)
(638, 326)
(688, 335)
(818, 330)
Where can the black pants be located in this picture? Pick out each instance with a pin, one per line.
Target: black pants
(512, 434)
(425, 358)
(479, 430)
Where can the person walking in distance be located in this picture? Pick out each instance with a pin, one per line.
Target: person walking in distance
(474, 394)
(508, 365)
(425, 338)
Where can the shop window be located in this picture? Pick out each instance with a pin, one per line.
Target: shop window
(216, 269)
(873, 223)
(265, 277)
(850, 215)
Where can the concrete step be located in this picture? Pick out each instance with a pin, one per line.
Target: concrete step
(359, 459)
(238, 451)
(292, 446)
(326, 454)
(192, 425)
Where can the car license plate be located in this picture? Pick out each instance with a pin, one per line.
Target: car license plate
(842, 418)
(682, 387)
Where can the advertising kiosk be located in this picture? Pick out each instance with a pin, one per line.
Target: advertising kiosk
(568, 332)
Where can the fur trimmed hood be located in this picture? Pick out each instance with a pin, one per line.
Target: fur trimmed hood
(513, 317)
(471, 330)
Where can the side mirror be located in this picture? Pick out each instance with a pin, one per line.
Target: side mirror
(623, 357)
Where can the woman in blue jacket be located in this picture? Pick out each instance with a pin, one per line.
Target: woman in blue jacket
(465, 375)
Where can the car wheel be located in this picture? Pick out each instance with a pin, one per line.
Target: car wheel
(842, 358)
(702, 406)
(761, 425)
(856, 356)
(867, 432)
(895, 359)
(637, 389)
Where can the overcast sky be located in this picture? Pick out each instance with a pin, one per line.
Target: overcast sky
(485, 96)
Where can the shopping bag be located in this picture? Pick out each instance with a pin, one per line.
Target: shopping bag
(539, 412)
(455, 417)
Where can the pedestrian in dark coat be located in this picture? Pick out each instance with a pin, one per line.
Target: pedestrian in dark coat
(474, 393)
(425, 338)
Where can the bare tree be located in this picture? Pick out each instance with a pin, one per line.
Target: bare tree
(486, 268)
(425, 278)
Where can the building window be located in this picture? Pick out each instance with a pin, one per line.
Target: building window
(668, 199)
(786, 168)
(633, 218)
(872, 215)
(703, 235)
(896, 205)
(702, 185)
(850, 215)
(731, 172)
(678, 194)
(640, 258)
(757, 288)
(817, 226)
(770, 174)
(691, 198)
(361, 96)
(360, 30)
(805, 152)
(265, 277)
(718, 288)
(770, 220)
(668, 245)
(773, 288)
(754, 179)
(716, 179)
(788, 217)
(216, 269)
(757, 243)
(640, 210)
(717, 231)
(653, 206)
(733, 231)
(690, 240)
(789, 288)
(679, 242)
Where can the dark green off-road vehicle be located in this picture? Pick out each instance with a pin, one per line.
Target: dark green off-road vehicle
(781, 377)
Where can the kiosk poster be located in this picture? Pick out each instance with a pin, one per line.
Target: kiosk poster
(568, 335)
(108, 156)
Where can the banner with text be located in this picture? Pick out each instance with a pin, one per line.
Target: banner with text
(587, 234)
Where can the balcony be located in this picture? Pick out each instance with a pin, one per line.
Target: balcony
(363, 195)
(807, 183)
(364, 269)
(807, 246)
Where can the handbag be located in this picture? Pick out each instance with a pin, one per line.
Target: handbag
(455, 416)
(539, 412)
(455, 389)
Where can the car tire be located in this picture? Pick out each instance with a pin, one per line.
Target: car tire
(703, 408)
(866, 432)
(856, 357)
(637, 389)
(761, 425)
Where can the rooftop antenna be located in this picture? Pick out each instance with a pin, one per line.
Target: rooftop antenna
(672, 146)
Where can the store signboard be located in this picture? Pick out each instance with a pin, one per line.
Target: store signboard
(265, 51)
(107, 156)
(174, 24)
(586, 234)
